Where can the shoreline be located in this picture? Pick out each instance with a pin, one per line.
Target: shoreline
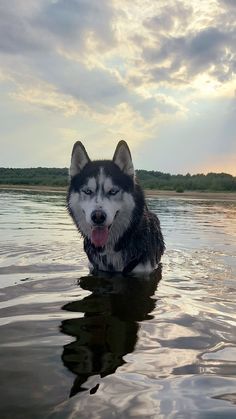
(33, 188)
(225, 196)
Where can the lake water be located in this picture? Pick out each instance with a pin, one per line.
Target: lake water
(77, 346)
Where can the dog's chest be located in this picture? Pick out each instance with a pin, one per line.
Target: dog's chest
(108, 260)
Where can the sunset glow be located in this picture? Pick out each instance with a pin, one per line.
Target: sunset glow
(160, 75)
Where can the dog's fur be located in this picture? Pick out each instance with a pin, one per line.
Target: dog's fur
(109, 209)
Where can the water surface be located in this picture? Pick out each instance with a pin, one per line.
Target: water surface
(73, 345)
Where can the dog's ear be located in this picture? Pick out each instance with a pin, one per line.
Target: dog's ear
(122, 157)
(79, 159)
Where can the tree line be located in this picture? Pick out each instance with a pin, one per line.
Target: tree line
(148, 179)
(180, 183)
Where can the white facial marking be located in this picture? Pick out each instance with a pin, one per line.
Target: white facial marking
(78, 214)
(92, 184)
(118, 208)
(108, 185)
(123, 218)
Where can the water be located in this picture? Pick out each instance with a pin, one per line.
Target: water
(76, 346)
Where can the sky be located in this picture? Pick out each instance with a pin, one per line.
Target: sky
(159, 74)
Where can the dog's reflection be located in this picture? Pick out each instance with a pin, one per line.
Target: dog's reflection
(108, 329)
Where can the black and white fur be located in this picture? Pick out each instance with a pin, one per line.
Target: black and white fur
(135, 242)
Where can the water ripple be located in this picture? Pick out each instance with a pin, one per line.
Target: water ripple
(157, 347)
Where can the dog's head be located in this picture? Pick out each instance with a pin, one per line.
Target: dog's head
(100, 197)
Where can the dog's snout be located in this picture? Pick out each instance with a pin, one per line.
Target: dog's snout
(98, 217)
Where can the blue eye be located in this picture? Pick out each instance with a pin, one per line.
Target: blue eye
(87, 191)
(113, 191)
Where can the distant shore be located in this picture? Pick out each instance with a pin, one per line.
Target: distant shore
(34, 188)
(225, 196)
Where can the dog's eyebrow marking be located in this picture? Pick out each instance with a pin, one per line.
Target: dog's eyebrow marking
(108, 184)
(92, 184)
(104, 182)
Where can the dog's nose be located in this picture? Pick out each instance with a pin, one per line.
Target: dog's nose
(98, 217)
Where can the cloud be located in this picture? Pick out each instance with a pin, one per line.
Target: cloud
(230, 3)
(70, 87)
(55, 42)
(48, 25)
(71, 22)
(59, 83)
(181, 41)
(37, 42)
(96, 87)
(171, 16)
(17, 34)
(45, 97)
(208, 50)
(145, 71)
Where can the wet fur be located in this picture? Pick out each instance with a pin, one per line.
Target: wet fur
(135, 241)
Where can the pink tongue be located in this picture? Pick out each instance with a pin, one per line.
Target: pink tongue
(99, 236)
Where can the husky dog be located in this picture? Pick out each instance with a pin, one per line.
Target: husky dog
(108, 207)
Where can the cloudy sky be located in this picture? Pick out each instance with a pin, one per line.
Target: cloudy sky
(157, 73)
